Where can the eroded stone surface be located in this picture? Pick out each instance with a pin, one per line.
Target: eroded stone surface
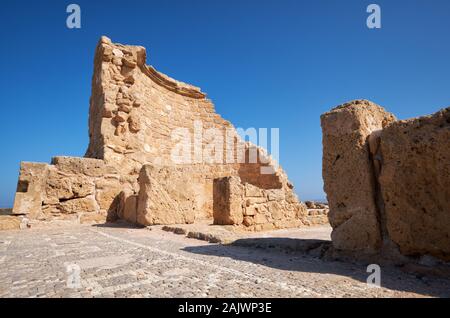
(415, 183)
(388, 182)
(69, 188)
(238, 203)
(139, 116)
(166, 196)
(348, 173)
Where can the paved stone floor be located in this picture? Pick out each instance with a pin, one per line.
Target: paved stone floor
(116, 261)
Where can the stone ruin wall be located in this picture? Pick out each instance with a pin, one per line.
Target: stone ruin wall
(387, 181)
(77, 189)
(133, 111)
(256, 208)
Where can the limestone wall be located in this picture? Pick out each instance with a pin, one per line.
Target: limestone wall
(387, 181)
(136, 111)
(348, 173)
(139, 116)
(255, 208)
(78, 189)
(167, 195)
(415, 184)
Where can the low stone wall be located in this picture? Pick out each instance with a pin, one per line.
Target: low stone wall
(348, 173)
(387, 181)
(69, 188)
(415, 184)
(254, 208)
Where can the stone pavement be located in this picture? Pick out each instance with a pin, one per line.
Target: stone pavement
(121, 261)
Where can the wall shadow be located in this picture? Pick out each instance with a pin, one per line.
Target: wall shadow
(119, 224)
(304, 255)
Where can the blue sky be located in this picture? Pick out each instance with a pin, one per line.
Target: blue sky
(263, 63)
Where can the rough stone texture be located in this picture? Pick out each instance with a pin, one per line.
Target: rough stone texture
(227, 199)
(318, 216)
(30, 188)
(387, 181)
(69, 188)
(237, 203)
(131, 123)
(415, 183)
(139, 116)
(127, 209)
(348, 173)
(166, 196)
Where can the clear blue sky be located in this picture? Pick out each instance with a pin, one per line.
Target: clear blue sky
(263, 63)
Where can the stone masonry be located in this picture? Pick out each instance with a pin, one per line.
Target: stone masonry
(387, 181)
(156, 148)
(69, 188)
(348, 173)
(258, 209)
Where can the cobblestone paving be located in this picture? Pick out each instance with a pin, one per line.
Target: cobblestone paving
(129, 262)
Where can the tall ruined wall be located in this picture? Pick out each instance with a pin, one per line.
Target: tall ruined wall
(137, 114)
(140, 117)
(387, 181)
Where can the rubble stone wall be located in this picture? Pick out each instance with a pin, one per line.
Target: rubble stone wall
(80, 189)
(387, 181)
(139, 116)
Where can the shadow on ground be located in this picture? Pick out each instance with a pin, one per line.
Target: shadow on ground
(5, 211)
(118, 224)
(304, 255)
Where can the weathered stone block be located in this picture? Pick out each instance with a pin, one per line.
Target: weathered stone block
(134, 109)
(127, 209)
(107, 191)
(30, 188)
(415, 183)
(165, 196)
(95, 218)
(79, 205)
(250, 211)
(86, 166)
(348, 174)
(275, 194)
(260, 218)
(252, 191)
(227, 201)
